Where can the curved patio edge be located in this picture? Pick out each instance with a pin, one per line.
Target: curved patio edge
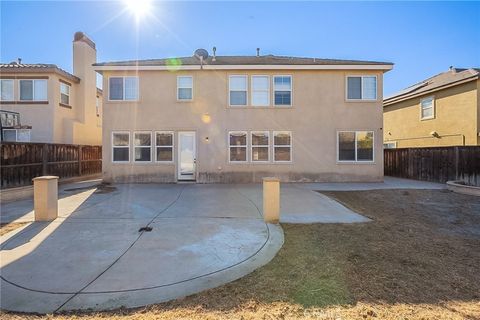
(458, 187)
(143, 297)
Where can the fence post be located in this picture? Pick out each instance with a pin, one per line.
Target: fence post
(79, 160)
(45, 159)
(457, 158)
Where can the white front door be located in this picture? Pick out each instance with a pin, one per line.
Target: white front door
(186, 155)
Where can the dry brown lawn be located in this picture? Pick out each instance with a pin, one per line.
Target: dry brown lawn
(418, 259)
(7, 227)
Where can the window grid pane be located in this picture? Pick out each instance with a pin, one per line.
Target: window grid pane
(26, 90)
(6, 90)
(121, 147)
(364, 145)
(237, 146)
(260, 146)
(40, 90)
(131, 88)
(260, 91)
(282, 90)
(369, 88)
(346, 146)
(282, 146)
(354, 87)
(116, 88)
(238, 90)
(164, 146)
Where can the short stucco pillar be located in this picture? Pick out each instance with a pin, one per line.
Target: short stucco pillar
(45, 198)
(271, 200)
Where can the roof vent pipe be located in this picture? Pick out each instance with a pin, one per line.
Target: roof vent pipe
(258, 52)
(214, 54)
(19, 60)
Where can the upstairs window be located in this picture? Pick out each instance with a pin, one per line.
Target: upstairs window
(33, 90)
(64, 93)
(184, 88)
(355, 146)
(164, 146)
(282, 86)
(142, 146)
(6, 90)
(238, 90)
(121, 146)
(427, 109)
(260, 146)
(123, 88)
(237, 144)
(260, 91)
(362, 88)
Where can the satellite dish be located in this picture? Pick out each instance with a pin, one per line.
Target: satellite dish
(201, 54)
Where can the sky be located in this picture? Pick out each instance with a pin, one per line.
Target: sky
(421, 38)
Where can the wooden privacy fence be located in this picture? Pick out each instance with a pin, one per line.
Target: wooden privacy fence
(437, 164)
(21, 162)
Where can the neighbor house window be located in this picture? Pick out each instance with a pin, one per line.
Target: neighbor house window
(64, 93)
(16, 135)
(237, 144)
(121, 146)
(355, 146)
(184, 88)
(282, 87)
(142, 146)
(123, 88)
(260, 146)
(6, 90)
(260, 91)
(238, 90)
(390, 145)
(33, 90)
(427, 108)
(282, 146)
(164, 146)
(362, 88)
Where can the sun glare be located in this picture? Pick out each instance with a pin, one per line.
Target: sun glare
(139, 7)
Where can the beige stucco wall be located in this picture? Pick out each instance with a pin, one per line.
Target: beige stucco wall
(456, 119)
(319, 110)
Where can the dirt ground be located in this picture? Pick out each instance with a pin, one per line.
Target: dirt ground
(418, 259)
(7, 227)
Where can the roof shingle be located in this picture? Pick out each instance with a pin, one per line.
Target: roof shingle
(36, 68)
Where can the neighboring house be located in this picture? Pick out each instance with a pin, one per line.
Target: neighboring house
(58, 106)
(241, 118)
(441, 111)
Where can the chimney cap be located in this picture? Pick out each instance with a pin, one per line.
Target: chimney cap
(258, 52)
(80, 36)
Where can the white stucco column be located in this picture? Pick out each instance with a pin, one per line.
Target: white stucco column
(45, 198)
(271, 200)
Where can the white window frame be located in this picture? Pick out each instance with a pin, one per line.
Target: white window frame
(16, 134)
(356, 148)
(394, 143)
(230, 90)
(69, 87)
(433, 108)
(282, 146)
(172, 146)
(13, 89)
(127, 147)
(361, 92)
(123, 83)
(291, 91)
(238, 146)
(253, 90)
(134, 147)
(33, 89)
(178, 87)
(260, 146)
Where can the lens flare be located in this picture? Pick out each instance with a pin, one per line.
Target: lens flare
(139, 8)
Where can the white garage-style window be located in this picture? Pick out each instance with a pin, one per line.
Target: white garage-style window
(123, 88)
(237, 146)
(33, 90)
(282, 146)
(362, 88)
(164, 146)
(142, 146)
(121, 146)
(6, 90)
(260, 151)
(427, 108)
(355, 146)
(184, 88)
(260, 91)
(64, 93)
(238, 90)
(282, 90)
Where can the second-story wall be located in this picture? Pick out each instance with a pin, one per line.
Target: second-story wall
(456, 119)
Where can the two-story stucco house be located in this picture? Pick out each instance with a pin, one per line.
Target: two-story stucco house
(240, 118)
(55, 106)
(443, 110)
